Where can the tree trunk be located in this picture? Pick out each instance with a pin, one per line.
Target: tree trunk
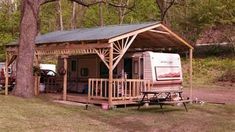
(74, 16)
(164, 6)
(122, 11)
(101, 17)
(59, 17)
(28, 32)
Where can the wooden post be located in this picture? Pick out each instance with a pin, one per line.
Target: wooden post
(36, 87)
(38, 77)
(89, 91)
(110, 74)
(65, 78)
(6, 76)
(191, 72)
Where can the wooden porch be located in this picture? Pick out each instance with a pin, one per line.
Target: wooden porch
(110, 44)
(124, 91)
(83, 98)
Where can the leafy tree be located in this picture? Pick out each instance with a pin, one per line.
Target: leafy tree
(9, 16)
(29, 26)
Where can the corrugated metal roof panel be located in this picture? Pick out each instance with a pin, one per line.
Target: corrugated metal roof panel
(89, 34)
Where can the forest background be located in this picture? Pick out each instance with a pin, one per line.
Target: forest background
(190, 18)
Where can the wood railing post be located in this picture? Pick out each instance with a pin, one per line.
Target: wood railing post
(65, 77)
(191, 72)
(89, 91)
(110, 75)
(6, 76)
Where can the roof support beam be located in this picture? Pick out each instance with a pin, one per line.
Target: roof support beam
(104, 55)
(65, 51)
(133, 33)
(158, 31)
(72, 46)
(121, 48)
(60, 49)
(177, 37)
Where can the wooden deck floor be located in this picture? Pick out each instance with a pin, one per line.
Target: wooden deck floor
(82, 98)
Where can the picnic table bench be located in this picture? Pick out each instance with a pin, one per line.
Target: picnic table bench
(162, 97)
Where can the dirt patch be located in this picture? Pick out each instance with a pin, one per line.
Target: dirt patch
(69, 103)
(216, 94)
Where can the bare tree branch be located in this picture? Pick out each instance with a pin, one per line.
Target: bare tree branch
(164, 8)
(94, 2)
(121, 5)
(88, 3)
(42, 2)
(168, 7)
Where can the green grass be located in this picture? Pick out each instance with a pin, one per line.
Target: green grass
(210, 70)
(40, 114)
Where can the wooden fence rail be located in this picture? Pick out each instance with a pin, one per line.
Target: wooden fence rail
(122, 89)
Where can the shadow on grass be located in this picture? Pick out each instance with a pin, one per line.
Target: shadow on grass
(155, 109)
(2, 92)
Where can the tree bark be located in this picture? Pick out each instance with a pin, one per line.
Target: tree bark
(122, 11)
(74, 16)
(164, 6)
(101, 17)
(28, 32)
(60, 16)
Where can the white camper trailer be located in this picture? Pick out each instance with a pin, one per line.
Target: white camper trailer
(163, 69)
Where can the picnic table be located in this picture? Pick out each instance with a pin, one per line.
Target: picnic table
(163, 97)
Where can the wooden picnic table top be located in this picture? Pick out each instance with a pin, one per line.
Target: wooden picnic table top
(162, 91)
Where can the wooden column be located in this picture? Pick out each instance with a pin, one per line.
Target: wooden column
(191, 72)
(36, 78)
(110, 74)
(6, 76)
(65, 77)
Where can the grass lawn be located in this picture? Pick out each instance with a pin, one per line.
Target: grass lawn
(40, 114)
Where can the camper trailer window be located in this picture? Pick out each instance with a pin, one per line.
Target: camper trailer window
(73, 65)
(155, 68)
(84, 72)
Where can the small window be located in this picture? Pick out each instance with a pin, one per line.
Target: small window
(136, 67)
(155, 68)
(84, 72)
(73, 65)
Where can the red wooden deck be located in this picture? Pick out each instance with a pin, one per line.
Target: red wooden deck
(83, 98)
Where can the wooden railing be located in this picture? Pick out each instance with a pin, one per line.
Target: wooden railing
(121, 89)
(53, 84)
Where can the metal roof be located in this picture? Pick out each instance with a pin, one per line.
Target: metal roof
(90, 34)
(108, 33)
